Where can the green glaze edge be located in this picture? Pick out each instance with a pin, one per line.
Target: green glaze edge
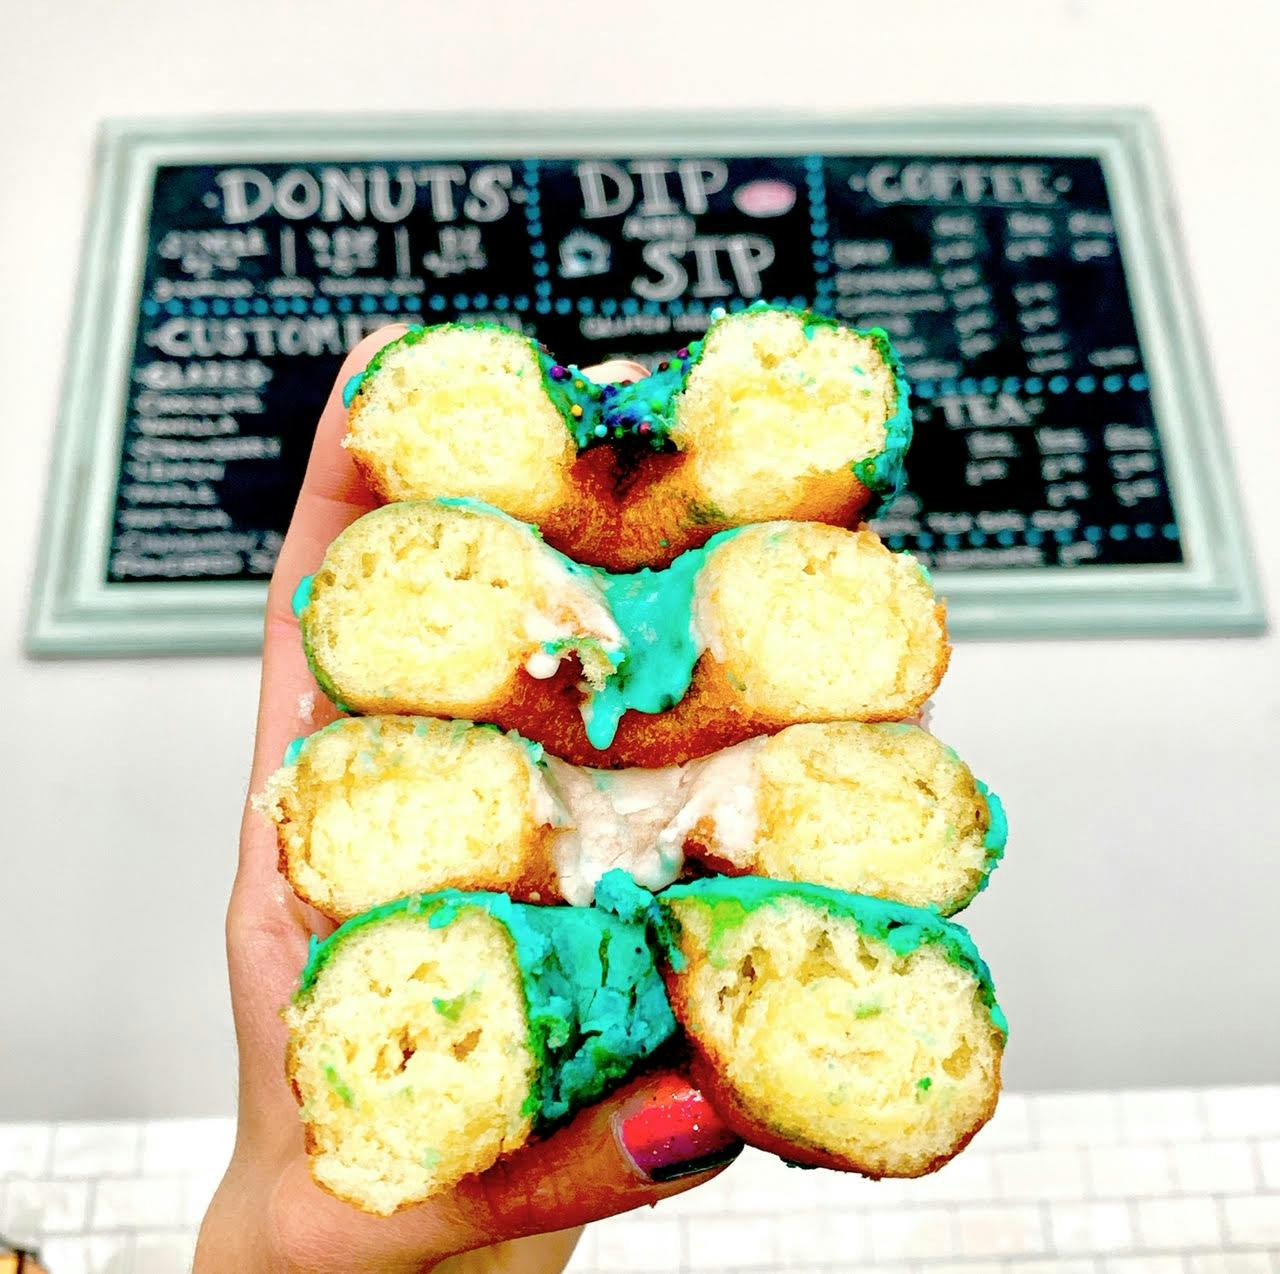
(458, 727)
(301, 603)
(416, 332)
(884, 474)
(903, 928)
(595, 1002)
(997, 836)
(993, 842)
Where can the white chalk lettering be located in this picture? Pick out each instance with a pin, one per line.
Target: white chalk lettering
(609, 189)
(748, 256)
(920, 182)
(366, 193)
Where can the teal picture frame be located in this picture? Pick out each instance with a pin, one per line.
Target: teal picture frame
(74, 612)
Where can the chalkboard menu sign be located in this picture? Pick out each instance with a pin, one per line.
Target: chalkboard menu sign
(1067, 473)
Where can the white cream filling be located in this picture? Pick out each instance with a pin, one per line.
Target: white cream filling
(721, 793)
(638, 819)
(569, 608)
(612, 821)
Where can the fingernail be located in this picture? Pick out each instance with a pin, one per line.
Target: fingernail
(675, 1133)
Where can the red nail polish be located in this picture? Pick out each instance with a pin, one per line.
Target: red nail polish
(675, 1133)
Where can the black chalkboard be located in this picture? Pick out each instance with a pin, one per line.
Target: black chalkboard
(1000, 280)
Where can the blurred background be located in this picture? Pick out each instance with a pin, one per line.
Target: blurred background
(1131, 929)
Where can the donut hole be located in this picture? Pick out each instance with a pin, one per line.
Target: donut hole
(410, 1058)
(774, 404)
(854, 630)
(835, 1042)
(379, 807)
(461, 411)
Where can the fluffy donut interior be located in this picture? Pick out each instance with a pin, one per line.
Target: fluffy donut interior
(884, 810)
(378, 807)
(427, 607)
(410, 1058)
(834, 1041)
(854, 631)
(774, 403)
(461, 411)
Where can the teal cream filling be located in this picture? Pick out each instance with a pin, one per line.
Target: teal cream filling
(902, 928)
(646, 409)
(595, 1002)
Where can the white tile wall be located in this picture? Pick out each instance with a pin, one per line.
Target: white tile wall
(1243, 1112)
(1269, 1163)
(1077, 1119)
(1156, 1182)
(1222, 1167)
(1231, 1263)
(1002, 1230)
(1040, 1174)
(1184, 1224)
(1130, 1171)
(96, 1150)
(1091, 1227)
(1161, 1115)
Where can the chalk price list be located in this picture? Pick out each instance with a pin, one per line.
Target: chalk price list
(1000, 282)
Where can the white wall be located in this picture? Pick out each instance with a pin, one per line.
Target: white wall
(1129, 929)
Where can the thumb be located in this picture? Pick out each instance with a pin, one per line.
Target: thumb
(656, 1137)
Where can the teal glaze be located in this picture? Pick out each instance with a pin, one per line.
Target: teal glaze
(296, 746)
(595, 1002)
(997, 836)
(654, 610)
(884, 475)
(536, 753)
(302, 594)
(415, 333)
(573, 394)
(646, 408)
(904, 929)
(617, 892)
(351, 389)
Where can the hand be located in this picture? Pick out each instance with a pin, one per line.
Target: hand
(267, 1214)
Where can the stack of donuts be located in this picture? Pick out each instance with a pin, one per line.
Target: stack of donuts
(632, 768)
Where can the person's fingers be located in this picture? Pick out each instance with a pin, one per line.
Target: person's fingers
(267, 927)
(656, 1137)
